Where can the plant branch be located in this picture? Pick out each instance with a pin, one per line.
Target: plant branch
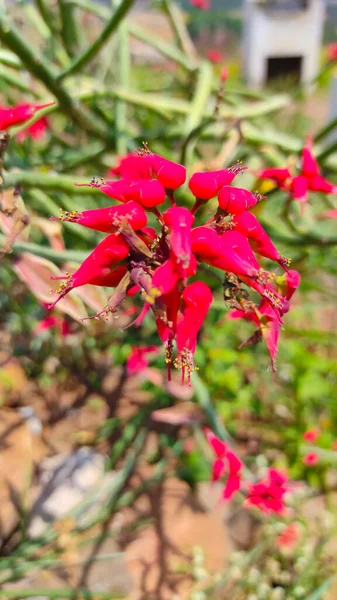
(38, 67)
(95, 48)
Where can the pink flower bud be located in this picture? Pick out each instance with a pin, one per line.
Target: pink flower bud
(102, 267)
(236, 200)
(171, 175)
(310, 167)
(19, 114)
(108, 219)
(280, 176)
(247, 224)
(206, 185)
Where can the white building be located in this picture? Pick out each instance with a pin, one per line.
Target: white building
(282, 36)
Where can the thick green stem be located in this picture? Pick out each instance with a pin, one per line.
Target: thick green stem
(95, 48)
(47, 15)
(38, 67)
(17, 81)
(124, 78)
(166, 49)
(69, 27)
(46, 252)
(178, 25)
(48, 182)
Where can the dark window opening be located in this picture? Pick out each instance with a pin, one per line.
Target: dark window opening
(284, 66)
(287, 5)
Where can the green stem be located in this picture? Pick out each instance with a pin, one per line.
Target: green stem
(38, 67)
(47, 15)
(10, 60)
(166, 49)
(69, 27)
(95, 48)
(124, 78)
(327, 151)
(17, 81)
(46, 252)
(178, 25)
(48, 182)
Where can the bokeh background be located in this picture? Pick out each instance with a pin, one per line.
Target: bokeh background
(104, 472)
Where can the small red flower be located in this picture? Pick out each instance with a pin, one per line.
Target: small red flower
(225, 461)
(219, 253)
(18, 114)
(280, 176)
(215, 56)
(261, 243)
(195, 302)
(268, 494)
(289, 537)
(236, 200)
(311, 459)
(309, 178)
(147, 192)
(202, 4)
(332, 52)
(224, 74)
(205, 186)
(108, 219)
(147, 165)
(102, 267)
(52, 321)
(179, 222)
(35, 131)
(138, 359)
(311, 435)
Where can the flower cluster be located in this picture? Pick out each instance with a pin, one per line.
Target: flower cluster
(267, 494)
(157, 263)
(308, 179)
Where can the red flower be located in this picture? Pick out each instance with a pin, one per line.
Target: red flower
(179, 221)
(211, 249)
(214, 55)
(166, 277)
(311, 435)
(147, 192)
(62, 325)
(288, 283)
(205, 186)
(202, 4)
(309, 178)
(156, 262)
(225, 461)
(268, 494)
(35, 131)
(332, 52)
(138, 359)
(102, 267)
(280, 176)
(236, 200)
(248, 224)
(224, 74)
(147, 165)
(289, 537)
(311, 459)
(18, 114)
(107, 220)
(196, 300)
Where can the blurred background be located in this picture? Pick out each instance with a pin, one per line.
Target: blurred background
(104, 472)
